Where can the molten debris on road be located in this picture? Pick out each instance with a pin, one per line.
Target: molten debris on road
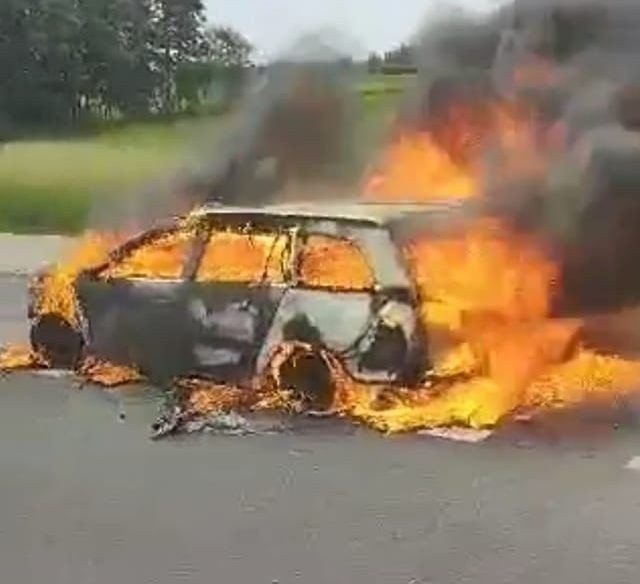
(108, 374)
(16, 357)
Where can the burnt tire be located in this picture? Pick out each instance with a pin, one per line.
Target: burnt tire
(309, 377)
(57, 341)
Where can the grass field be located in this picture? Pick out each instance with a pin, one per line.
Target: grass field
(376, 85)
(49, 186)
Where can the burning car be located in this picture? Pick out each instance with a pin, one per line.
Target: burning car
(222, 293)
(391, 314)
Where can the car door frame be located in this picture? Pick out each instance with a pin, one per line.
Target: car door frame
(129, 340)
(297, 319)
(246, 370)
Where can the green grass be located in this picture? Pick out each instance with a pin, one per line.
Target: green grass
(376, 85)
(50, 186)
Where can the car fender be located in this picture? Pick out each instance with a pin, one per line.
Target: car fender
(344, 324)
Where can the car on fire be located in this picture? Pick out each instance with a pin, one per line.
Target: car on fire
(217, 294)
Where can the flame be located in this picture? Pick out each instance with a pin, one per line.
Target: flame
(206, 397)
(14, 357)
(482, 402)
(415, 168)
(486, 269)
(109, 374)
(330, 263)
(587, 377)
(238, 257)
(484, 292)
(163, 258)
(202, 397)
(485, 299)
(454, 157)
(56, 289)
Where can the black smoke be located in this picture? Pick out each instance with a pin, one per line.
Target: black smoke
(295, 131)
(586, 205)
(291, 136)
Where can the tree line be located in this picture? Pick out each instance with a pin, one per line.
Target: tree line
(398, 60)
(64, 62)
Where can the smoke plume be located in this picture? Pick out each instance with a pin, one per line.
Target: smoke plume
(574, 67)
(291, 136)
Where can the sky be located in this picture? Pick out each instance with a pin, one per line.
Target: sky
(370, 25)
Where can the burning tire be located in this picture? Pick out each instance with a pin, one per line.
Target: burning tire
(307, 374)
(56, 341)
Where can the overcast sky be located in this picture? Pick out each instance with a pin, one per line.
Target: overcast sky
(373, 24)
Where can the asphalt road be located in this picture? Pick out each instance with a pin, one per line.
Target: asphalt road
(87, 498)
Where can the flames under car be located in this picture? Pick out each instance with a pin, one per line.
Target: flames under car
(219, 294)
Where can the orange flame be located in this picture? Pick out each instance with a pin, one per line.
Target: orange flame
(484, 293)
(486, 269)
(163, 258)
(14, 357)
(455, 157)
(415, 168)
(330, 263)
(109, 374)
(56, 290)
(232, 256)
(484, 300)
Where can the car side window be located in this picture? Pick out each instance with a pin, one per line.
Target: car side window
(161, 258)
(331, 262)
(243, 257)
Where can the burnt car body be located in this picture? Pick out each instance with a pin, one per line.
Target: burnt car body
(195, 311)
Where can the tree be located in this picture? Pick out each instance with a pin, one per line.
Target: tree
(192, 81)
(227, 47)
(39, 65)
(62, 61)
(402, 56)
(116, 44)
(179, 38)
(374, 63)
(226, 57)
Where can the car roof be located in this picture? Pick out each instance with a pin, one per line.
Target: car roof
(373, 214)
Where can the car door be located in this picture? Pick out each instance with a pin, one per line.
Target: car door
(135, 307)
(331, 301)
(238, 285)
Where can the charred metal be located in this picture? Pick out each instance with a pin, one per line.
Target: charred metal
(228, 329)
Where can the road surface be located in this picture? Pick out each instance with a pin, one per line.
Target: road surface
(87, 498)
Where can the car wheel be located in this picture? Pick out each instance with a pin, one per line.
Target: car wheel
(309, 376)
(57, 341)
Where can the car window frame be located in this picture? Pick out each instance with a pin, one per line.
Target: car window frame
(131, 246)
(302, 235)
(216, 223)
